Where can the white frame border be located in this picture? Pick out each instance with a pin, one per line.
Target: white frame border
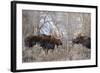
(38, 65)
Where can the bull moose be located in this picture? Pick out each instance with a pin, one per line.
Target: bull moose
(84, 40)
(46, 42)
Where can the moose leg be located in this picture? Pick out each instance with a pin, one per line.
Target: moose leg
(46, 51)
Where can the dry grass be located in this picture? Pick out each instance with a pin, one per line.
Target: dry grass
(75, 52)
